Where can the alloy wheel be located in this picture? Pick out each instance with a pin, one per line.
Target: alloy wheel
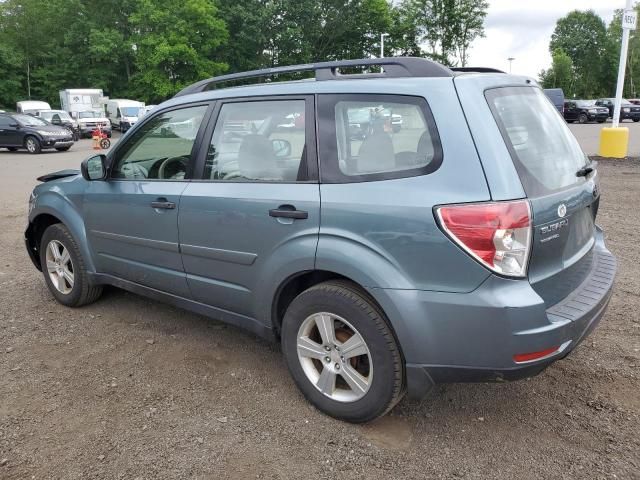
(60, 267)
(31, 145)
(334, 356)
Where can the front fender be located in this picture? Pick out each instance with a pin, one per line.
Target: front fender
(54, 203)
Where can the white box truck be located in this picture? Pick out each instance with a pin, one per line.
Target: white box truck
(123, 113)
(86, 105)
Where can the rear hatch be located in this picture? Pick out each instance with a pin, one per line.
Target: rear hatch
(561, 184)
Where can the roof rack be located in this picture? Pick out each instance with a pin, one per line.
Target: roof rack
(476, 70)
(394, 67)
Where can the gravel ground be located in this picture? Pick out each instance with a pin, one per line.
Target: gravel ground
(130, 388)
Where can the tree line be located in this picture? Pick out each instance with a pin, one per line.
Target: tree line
(150, 49)
(585, 54)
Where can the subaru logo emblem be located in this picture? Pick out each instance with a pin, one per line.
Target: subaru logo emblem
(562, 210)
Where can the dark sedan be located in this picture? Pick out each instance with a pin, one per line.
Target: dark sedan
(584, 111)
(18, 130)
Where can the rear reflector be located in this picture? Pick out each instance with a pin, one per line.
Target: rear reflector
(528, 357)
(497, 234)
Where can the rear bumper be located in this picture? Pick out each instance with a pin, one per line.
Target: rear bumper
(473, 337)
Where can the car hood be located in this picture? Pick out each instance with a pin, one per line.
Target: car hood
(59, 174)
(48, 128)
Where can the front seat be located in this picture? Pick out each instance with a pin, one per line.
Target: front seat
(256, 158)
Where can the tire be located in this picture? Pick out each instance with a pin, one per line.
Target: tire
(570, 121)
(105, 143)
(636, 119)
(583, 118)
(12, 149)
(63, 149)
(601, 121)
(351, 313)
(32, 144)
(80, 291)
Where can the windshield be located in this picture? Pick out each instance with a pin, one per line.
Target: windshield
(50, 115)
(90, 114)
(130, 111)
(544, 151)
(28, 120)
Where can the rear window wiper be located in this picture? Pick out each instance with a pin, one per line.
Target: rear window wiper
(586, 170)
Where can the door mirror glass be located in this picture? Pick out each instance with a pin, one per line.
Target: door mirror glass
(94, 168)
(281, 148)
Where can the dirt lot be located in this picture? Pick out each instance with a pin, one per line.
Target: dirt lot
(130, 388)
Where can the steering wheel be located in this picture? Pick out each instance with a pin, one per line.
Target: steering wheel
(181, 162)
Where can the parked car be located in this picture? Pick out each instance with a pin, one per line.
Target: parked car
(584, 111)
(556, 96)
(123, 114)
(465, 249)
(628, 111)
(18, 130)
(31, 106)
(62, 118)
(89, 120)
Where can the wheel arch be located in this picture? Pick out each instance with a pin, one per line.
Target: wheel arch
(54, 209)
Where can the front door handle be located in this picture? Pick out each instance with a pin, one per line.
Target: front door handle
(288, 211)
(163, 203)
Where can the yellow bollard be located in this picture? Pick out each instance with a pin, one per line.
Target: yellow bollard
(614, 142)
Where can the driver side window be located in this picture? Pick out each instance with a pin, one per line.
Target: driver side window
(161, 148)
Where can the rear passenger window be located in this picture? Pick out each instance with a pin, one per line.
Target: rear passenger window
(375, 137)
(259, 141)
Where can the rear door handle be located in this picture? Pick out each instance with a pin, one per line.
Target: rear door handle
(288, 211)
(163, 203)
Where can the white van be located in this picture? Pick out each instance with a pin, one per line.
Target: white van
(123, 114)
(31, 106)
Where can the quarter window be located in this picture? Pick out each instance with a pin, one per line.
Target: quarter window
(259, 141)
(376, 137)
(161, 148)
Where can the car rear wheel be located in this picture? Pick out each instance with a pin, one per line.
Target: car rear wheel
(342, 353)
(64, 269)
(636, 119)
(583, 118)
(32, 144)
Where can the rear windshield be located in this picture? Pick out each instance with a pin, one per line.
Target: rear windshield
(545, 152)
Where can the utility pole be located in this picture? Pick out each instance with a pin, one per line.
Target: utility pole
(382, 35)
(614, 141)
(510, 59)
(626, 30)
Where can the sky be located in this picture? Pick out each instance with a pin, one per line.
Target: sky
(522, 29)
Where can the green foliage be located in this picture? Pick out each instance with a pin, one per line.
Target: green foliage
(447, 27)
(582, 35)
(560, 75)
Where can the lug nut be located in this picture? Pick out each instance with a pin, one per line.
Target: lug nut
(337, 366)
(327, 359)
(327, 348)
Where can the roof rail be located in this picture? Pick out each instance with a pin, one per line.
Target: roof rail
(394, 67)
(476, 69)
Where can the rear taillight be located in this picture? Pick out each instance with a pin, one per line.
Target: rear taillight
(498, 234)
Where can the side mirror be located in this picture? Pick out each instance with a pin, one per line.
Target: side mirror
(14, 125)
(94, 168)
(281, 148)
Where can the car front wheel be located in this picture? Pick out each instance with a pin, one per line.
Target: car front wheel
(342, 353)
(64, 269)
(583, 118)
(32, 144)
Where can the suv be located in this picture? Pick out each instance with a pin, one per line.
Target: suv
(461, 248)
(628, 111)
(584, 111)
(62, 118)
(19, 130)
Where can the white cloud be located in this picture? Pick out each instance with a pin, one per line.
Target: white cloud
(523, 30)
